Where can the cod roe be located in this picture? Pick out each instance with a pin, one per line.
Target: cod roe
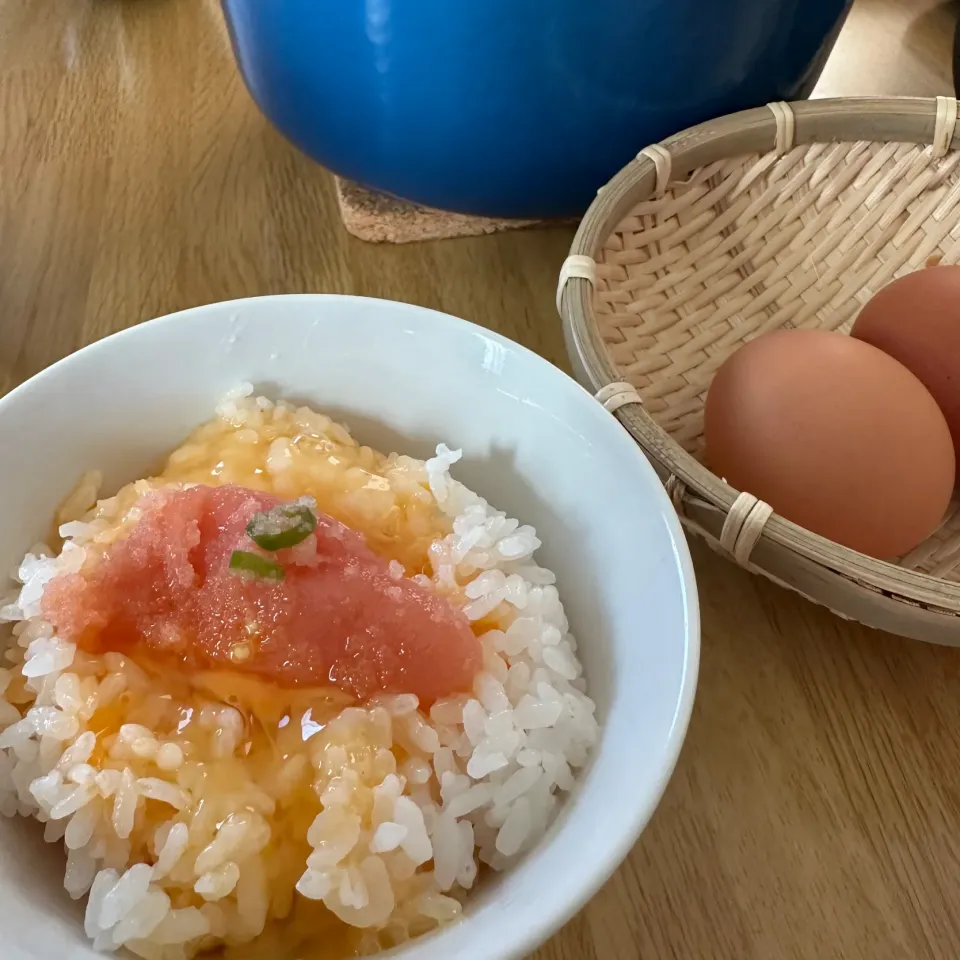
(330, 611)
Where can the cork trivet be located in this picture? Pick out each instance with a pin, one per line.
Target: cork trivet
(381, 219)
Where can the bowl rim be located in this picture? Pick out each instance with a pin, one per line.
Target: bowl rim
(856, 586)
(608, 860)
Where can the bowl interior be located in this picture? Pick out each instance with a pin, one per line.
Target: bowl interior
(404, 379)
(751, 244)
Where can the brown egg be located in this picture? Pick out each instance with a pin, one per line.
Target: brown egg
(916, 319)
(835, 435)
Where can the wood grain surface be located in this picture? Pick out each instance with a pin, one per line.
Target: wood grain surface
(815, 812)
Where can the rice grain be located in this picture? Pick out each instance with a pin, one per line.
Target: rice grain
(403, 823)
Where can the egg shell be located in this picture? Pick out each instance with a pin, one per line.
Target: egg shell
(916, 320)
(835, 435)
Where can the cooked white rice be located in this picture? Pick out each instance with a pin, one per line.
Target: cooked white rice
(481, 782)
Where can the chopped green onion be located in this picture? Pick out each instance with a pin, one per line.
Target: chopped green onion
(252, 563)
(285, 525)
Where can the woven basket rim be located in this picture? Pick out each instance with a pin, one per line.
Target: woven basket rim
(706, 499)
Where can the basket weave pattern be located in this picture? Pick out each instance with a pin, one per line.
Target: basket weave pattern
(751, 244)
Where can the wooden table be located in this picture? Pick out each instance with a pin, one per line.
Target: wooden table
(816, 809)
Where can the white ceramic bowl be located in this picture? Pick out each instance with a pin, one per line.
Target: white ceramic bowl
(404, 378)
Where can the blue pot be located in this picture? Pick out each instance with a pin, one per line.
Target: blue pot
(514, 108)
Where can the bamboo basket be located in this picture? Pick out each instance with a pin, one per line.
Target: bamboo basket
(790, 215)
